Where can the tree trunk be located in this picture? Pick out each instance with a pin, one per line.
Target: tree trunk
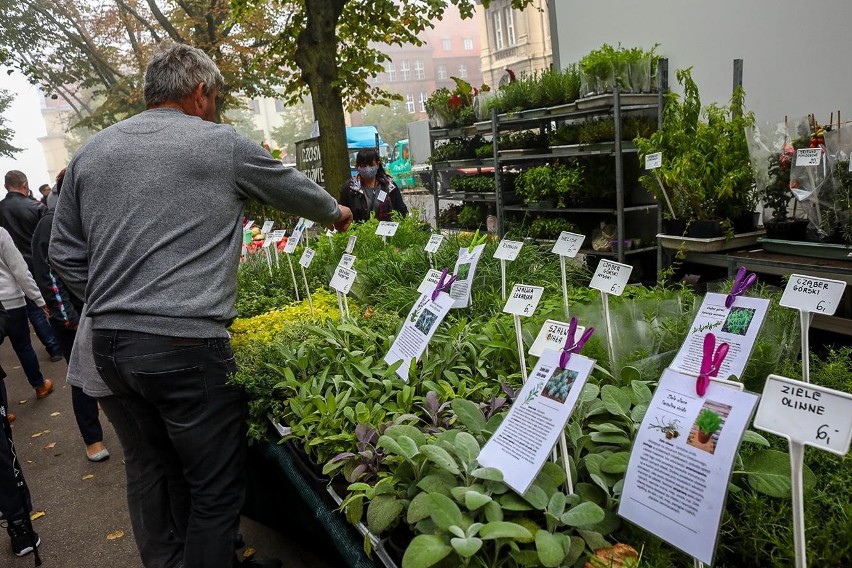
(316, 56)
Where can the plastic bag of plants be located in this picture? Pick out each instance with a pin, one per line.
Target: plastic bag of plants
(810, 173)
(837, 220)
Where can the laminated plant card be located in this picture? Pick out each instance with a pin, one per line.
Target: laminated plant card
(681, 462)
(552, 336)
(419, 327)
(523, 441)
(737, 326)
(465, 269)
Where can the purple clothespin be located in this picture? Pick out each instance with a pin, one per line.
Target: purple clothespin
(570, 345)
(710, 363)
(443, 286)
(741, 284)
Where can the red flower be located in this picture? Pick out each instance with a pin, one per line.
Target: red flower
(454, 103)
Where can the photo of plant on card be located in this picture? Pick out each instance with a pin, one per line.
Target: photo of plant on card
(708, 425)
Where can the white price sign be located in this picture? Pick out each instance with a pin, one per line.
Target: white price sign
(434, 243)
(429, 283)
(350, 246)
(307, 224)
(267, 226)
(810, 294)
(552, 336)
(343, 279)
(805, 413)
(268, 241)
(307, 257)
(292, 242)
(347, 261)
(568, 244)
(654, 161)
(508, 250)
(523, 300)
(611, 277)
(248, 225)
(808, 156)
(387, 228)
(279, 235)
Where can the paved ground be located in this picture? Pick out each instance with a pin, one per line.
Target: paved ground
(84, 502)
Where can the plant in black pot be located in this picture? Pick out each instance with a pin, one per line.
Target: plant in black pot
(777, 198)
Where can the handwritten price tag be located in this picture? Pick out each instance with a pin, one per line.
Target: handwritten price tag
(429, 283)
(279, 235)
(568, 244)
(267, 226)
(611, 277)
(268, 241)
(523, 300)
(347, 261)
(248, 225)
(293, 242)
(654, 161)
(508, 250)
(805, 413)
(552, 336)
(343, 279)
(387, 228)
(307, 257)
(350, 246)
(808, 156)
(811, 294)
(434, 243)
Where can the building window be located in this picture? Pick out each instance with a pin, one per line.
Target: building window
(409, 102)
(423, 97)
(498, 29)
(280, 106)
(509, 17)
(405, 70)
(463, 71)
(254, 106)
(419, 69)
(442, 71)
(468, 44)
(378, 78)
(447, 44)
(390, 69)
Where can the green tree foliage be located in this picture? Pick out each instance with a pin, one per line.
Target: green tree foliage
(6, 133)
(297, 123)
(392, 120)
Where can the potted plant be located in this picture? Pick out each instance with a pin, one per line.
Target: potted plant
(708, 423)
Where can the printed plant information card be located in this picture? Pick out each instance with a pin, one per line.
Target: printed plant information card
(307, 257)
(419, 327)
(523, 441)
(681, 462)
(737, 326)
(429, 283)
(464, 270)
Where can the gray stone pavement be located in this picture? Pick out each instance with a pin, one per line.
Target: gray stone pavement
(83, 515)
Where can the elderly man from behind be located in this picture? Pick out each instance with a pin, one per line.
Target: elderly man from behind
(148, 230)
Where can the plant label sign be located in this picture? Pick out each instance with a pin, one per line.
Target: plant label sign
(387, 228)
(350, 246)
(682, 460)
(429, 283)
(508, 250)
(347, 261)
(268, 241)
(808, 156)
(267, 226)
(805, 413)
(611, 277)
(248, 225)
(568, 244)
(464, 270)
(434, 243)
(307, 257)
(552, 336)
(654, 161)
(811, 294)
(343, 279)
(293, 241)
(522, 442)
(279, 235)
(737, 326)
(419, 327)
(523, 300)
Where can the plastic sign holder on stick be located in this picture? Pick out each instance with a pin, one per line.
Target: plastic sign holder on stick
(506, 251)
(567, 246)
(522, 302)
(610, 278)
(293, 275)
(807, 415)
(811, 295)
(266, 244)
(386, 229)
(304, 262)
(432, 247)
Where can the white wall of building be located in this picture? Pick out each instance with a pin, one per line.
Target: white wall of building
(796, 54)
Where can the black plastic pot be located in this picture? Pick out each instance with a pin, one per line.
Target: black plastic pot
(675, 227)
(704, 229)
(790, 230)
(746, 222)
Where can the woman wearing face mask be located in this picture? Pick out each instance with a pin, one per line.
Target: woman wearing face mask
(371, 190)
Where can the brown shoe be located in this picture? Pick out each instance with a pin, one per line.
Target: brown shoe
(10, 417)
(45, 389)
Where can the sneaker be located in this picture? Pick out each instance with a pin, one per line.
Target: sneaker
(56, 358)
(45, 389)
(22, 537)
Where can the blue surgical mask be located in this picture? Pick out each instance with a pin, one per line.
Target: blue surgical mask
(368, 172)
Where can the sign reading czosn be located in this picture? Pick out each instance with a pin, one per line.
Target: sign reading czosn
(508, 250)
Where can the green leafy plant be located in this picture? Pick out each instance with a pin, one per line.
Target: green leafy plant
(471, 217)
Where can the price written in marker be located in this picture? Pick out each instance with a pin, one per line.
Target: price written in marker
(552, 336)
(307, 257)
(808, 156)
(811, 294)
(347, 261)
(654, 161)
(611, 277)
(523, 300)
(508, 250)
(350, 246)
(279, 235)
(268, 241)
(808, 414)
(568, 244)
(343, 279)
(387, 228)
(434, 243)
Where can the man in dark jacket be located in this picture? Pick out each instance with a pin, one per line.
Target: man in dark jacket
(19, 214)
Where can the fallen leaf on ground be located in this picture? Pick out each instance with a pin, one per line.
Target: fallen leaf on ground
(89, 476)
(37, 515)
(54, 414)
(115, 535)
(22, 402)
(249, 552)
(50, 446)
(37, 434)
(18, 367)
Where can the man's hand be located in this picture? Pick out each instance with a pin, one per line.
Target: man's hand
(345, 219)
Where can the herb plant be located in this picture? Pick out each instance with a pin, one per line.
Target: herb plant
(708, 421)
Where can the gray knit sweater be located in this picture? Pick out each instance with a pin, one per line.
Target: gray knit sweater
(148, 225)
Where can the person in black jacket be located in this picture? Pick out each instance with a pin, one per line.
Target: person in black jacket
(19, 214)
(65, 309)
(371, 190)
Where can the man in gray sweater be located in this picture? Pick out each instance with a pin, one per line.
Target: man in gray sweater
(148, 230)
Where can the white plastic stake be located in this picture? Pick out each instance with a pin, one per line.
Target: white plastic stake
(307, 290)
(346, 305)
(805, 319)
(503, 278)
(797, 459)
(268, 260)
(340, 305)
(274, 247)
(431, 260)
(520, 339)
(293, 274)
(563, 446)
(608, 326)
(564, 285)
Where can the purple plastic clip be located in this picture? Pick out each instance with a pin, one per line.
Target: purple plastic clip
(570, 345)
(741, 284)
(711, 362)
(443, 286)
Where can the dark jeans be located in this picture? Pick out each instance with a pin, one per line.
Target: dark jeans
(11, 502)
(42, 328)
(189, 418)
(18, 332)
(85, 406)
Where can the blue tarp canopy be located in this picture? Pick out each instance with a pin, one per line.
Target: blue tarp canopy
(362, 137)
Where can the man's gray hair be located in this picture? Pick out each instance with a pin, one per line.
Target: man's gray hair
(176, 70)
